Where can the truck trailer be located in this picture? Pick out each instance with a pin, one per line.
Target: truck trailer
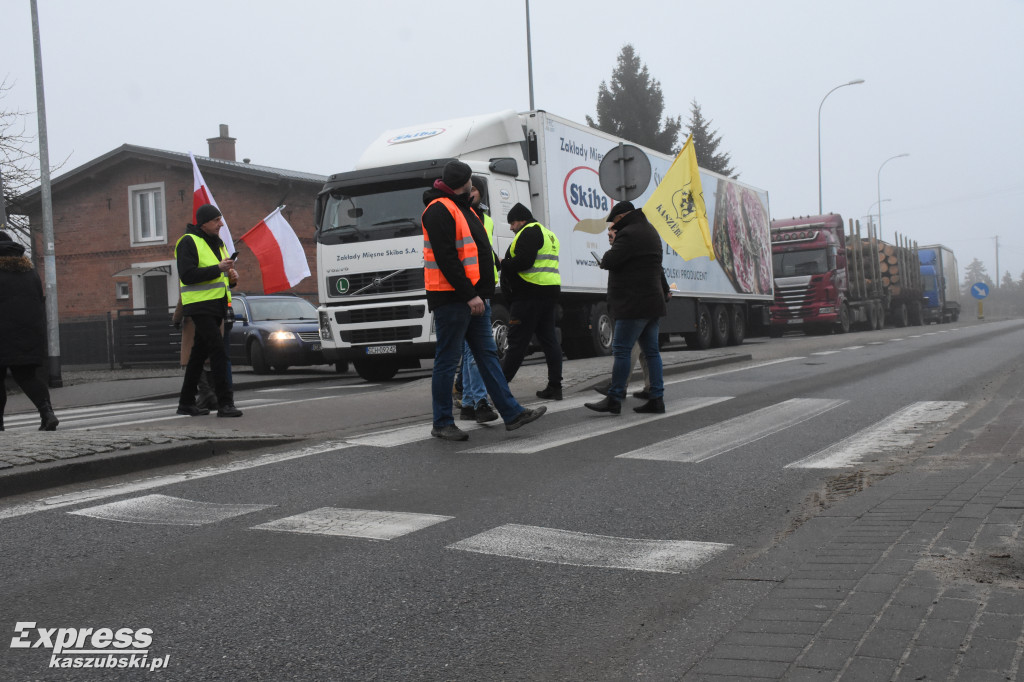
(372, 301)
(941, 283)
(827, 280)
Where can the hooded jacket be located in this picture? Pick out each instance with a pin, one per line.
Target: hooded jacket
(440, 228)
(22, 309)
(637, 287)
(189, 272)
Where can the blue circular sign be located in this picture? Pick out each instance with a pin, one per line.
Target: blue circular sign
(979, 290)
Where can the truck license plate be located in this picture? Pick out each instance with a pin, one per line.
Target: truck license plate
(797, 320)
(381, 350)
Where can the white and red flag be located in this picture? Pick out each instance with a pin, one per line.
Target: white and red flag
(201, 195)
(280, 254)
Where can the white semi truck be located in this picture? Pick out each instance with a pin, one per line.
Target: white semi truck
(373, 308)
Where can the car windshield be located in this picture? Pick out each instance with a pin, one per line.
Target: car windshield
(378, 211)
(794, 263)
(264, 309)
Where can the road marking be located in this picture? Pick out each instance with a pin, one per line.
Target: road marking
(895, 432)
(891, 340)
(355, 523)
(68, 499)
(165, 510)
(553, 546)
(590, 428)
(876, 343)
(853, 348)
(720, 438)
(731, 371)
(827, 352)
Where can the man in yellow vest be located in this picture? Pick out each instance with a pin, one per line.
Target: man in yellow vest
(205, 272)
(459, 285)
(531, 282)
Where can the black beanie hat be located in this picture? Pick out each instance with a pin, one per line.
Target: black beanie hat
(619, 209)
(206, 213)
(478, 182)
(519, 212)
(456, 174)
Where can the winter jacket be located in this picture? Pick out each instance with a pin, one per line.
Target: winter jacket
(189, 272)
(440, 229)
(22, 309)
(637, 288)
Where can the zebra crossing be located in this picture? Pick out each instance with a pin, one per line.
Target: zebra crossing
(560, 546)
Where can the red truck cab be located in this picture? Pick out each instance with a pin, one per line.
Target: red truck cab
(809, 264)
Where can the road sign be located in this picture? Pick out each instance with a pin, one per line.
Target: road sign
(979, 290)
(625, 172)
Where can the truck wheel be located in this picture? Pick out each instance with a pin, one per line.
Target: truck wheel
(916, 315)
(700, 339)
(900, 315)
(719, 326)
(376, 370)
(737, 325)
(499, 328)
(843, 326)
(879, 315)
(601, 331)
(258, 359)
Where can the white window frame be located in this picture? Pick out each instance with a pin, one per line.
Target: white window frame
(139, 288)
(157, 212)
(123, 290)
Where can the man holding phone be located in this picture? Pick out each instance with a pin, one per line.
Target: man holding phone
(206, 273)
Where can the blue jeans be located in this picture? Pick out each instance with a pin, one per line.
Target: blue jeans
(453, 326)
(628, 333)
(473, 390)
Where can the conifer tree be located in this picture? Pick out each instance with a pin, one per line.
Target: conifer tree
(706, 143)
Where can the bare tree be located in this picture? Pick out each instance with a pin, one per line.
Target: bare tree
(19, 165)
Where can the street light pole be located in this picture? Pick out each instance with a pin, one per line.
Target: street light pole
(898, 156)
(853, 82)
(529, 53)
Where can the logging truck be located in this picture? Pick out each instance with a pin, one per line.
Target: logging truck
(829, 281)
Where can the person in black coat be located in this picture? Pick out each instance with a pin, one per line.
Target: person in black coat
(23, 330)
(637, 296)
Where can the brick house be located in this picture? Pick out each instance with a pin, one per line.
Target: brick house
(117, 218)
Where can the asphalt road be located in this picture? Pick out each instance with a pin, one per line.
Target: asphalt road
(581, 547)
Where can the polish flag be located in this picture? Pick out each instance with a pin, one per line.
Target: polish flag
(282, 259)
(201, 195)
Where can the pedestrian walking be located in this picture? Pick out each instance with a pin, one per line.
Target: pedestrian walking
(459, 286)
(531, 282)
(22, 330)
(637, 296)
(205, 272)
(473, 392)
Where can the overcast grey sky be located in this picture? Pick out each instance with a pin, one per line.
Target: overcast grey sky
(307, 84)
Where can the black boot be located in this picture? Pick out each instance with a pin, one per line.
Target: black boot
(207, 398)
(48, 420)
(609, 404)
(652, 406)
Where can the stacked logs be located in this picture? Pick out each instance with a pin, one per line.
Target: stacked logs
(878, 267)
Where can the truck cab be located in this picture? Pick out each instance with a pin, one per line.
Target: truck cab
(809, 265)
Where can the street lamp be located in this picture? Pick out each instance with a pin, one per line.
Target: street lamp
(870, 215)
(854, 82)
(879, 202)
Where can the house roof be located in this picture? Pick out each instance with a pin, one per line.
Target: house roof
(134, 152)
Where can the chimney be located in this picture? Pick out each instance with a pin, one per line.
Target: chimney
(222, 147)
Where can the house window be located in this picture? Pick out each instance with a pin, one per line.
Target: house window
(147, 214)
(122, 290)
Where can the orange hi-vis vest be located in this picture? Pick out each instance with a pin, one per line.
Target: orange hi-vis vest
(464, 245)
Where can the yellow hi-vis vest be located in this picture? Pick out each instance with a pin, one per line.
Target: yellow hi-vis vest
(212, 289)
(489, 226)
(544, 270)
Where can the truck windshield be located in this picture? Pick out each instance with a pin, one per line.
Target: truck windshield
(795, 263)
(930, 283)
(370, 212)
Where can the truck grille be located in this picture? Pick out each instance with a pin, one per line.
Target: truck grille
(384, 314)
(794, 299)
(382, 335)
(374, 282)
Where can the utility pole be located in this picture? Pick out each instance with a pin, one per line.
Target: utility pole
(998, 276)
(49, 262)
(529, 53)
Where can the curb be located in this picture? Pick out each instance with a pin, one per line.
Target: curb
(31, 478)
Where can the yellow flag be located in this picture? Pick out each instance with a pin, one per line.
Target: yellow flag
(677, 211)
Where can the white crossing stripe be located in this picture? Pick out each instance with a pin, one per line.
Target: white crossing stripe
(589, 428)
(571, 548)
(892, 433)
(355, 523)
(717, 439)
(170, 511)
(826, 352)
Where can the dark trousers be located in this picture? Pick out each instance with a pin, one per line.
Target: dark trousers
(208, 344)
(526, 318)
(28, 380)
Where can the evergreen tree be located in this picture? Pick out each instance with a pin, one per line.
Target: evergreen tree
(975, 272)
(632, 105)
(706, 142)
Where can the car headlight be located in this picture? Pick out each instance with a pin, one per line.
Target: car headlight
(282, 336)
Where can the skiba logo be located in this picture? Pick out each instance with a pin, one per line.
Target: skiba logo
(583, 194)
(415, 135)
(89, 647)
